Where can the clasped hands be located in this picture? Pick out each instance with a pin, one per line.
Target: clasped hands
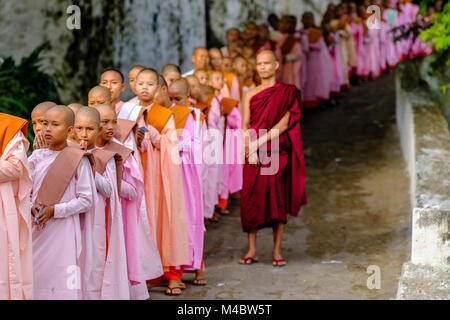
(41, 217)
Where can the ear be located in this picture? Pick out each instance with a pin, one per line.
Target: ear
(124, 86)
(277, 65)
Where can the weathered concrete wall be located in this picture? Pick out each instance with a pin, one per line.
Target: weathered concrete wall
(425, 140)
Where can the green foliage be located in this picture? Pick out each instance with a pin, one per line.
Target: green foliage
(25, 85)
(438, 34)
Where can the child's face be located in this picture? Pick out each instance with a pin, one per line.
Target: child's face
(96, 98)
(216, 80)
(240, 67)
(177, 96)
(202, 77)
(146, 86)
(113, 81)
(247, 52)
(227, 65)
(194, 88)
(132, 77)
(108, 125)
(86, 130)
(55, 128)
(36, 120)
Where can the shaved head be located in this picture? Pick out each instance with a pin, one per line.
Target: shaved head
(75, 107)
(104, 108)
(91, 113)
(199, 50)
(43, 107)
(170, 68)
(180, 85)
(192, 79)
(100, 90)
(162, 81)
(267, 53)
(69, 116)
(99, 95)
(138, 67)
(149, 71)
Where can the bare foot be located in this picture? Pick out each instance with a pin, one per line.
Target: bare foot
(173, 288)
(199, 278)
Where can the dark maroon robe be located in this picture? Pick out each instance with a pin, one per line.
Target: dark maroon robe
(267, 199)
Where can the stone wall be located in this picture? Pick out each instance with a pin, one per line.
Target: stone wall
(122, 33)
(425, 141)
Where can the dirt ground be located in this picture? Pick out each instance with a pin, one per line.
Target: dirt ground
(358, 214)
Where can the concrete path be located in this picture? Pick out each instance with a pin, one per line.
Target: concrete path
(357, 214)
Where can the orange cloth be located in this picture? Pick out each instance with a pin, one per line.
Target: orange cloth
(223, 203)
(11, 125)
(174, 273)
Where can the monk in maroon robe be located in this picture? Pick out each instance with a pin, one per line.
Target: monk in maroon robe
(274, 170)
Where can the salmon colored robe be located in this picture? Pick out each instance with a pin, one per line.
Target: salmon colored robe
(163, 180)
(289, 71)
(16, 271)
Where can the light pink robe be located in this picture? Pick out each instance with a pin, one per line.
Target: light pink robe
(16, 270)
(119, 106)
(289, 72)
(192, 185)
(57, 248)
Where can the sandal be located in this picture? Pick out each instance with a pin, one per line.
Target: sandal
(248, 260)
(197, 282)
(169, 291)
(278, 262)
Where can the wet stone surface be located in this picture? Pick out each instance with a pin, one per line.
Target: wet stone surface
(358, 214)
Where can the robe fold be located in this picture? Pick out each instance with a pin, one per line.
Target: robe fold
(16, 268)
(268, 198)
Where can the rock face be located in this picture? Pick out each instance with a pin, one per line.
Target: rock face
(122, 33)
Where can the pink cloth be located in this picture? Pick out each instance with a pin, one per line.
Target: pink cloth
(335, 52)
(192, 185)
(115, 280)
(317, 68)
(232, 163)
(289, 72)
(57, 248)
(119, 106)
(16, 271)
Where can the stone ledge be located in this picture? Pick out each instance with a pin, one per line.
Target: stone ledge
(420, 282)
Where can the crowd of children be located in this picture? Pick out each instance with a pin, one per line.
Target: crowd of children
(120, 192)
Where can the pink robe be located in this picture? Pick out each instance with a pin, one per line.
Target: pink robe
(119, 106)
(232, 162)
(289, 72)
(317, 67)
(58, 247)
(337, 72)
(213, 154)
(192, 185)
(16, 272)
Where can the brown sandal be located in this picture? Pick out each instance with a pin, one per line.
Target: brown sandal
(170, 292)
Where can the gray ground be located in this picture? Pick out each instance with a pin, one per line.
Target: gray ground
(357, 214)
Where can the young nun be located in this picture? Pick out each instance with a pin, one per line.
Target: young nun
(61, 197)
(108, 165)
(16, 271)
(191, 168)
(231, 181)
(99, 95)
(113, 80)
(143, 261)
(36, 119)
(162, 177)
(132, 74)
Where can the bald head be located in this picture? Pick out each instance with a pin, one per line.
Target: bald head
(43, 107)
(179, 92)
(75, 107)
(66, 112)
(192, 80)
(194, 87)
(170, 68)
(105, 108)
(99, 95)
(150, 71)
(91, 113)
(267, 54)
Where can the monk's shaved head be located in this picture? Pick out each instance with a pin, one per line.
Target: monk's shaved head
(199, 50)
(149, 71)
(104, 107)
(75, 107)
(215, 51)
(162, 81)
(101, 90)
(267, 53)
(69, 116)
(192, 79)
(170, 68)
(43, 107)
(180, 85)
(138, 67)
(91, 113)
